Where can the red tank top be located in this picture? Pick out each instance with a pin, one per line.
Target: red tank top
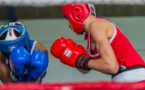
(125, 53)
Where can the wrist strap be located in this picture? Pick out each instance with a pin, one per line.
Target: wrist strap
(82, 62)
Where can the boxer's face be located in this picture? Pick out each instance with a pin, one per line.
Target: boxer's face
(69, 25)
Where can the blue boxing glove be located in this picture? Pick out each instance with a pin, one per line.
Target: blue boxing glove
(19, 63)
(38, 65)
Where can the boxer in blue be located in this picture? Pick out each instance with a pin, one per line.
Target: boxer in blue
(21, 59)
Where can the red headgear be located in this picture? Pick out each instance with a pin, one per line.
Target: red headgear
(77, 13)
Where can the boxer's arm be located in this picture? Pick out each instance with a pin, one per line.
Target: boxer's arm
(40, 47)
(101, 34)
(4, 70)
(38, 65)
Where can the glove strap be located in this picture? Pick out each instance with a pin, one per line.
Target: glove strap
(82, 62)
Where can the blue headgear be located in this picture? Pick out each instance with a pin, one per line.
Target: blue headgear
(20, 41)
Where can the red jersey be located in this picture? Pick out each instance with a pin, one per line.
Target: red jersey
(125, 53)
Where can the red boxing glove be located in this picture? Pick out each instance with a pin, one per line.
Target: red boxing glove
(58, 47)
(70, 53)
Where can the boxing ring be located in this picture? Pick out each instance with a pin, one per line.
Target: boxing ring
(63, 77)
(103, 85)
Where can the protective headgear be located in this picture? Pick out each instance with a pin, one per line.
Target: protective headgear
(13, 35)
(77, 14)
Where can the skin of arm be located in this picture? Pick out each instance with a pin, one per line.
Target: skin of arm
(4, 70)
(101, 32)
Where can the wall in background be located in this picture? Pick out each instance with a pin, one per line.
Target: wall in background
(55, 11)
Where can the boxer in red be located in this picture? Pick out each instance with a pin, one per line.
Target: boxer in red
(108, 49)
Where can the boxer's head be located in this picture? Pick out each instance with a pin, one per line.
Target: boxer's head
(77, 13)
(13, 35)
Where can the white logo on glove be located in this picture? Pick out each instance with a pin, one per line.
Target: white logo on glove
(67, 52)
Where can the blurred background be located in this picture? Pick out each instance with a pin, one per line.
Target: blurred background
(23, 9)
(44, 22)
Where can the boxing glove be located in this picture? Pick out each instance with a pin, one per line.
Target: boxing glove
(70, 53)
(38, 65)
(19, 63)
